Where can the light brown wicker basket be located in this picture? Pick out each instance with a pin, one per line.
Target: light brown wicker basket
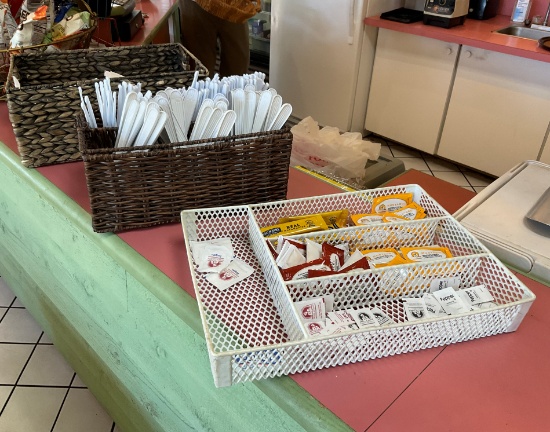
(43, 107)
(135, 188)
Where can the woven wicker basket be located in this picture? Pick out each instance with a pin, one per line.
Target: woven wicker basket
(43, 107)
(80, 40)
(133, 189)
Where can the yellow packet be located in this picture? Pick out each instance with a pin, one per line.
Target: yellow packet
(366, 219)
(393, 217)
(301, 226)
(411, 211)
(334, 219)
(425, 253)
(383, 257)
(391, 203)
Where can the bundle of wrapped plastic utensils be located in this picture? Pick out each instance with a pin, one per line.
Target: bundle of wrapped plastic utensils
(208, 108)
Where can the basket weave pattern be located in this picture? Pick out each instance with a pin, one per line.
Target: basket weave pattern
(42, 110)
(133, 189)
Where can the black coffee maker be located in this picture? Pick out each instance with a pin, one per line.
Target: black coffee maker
(482, 9)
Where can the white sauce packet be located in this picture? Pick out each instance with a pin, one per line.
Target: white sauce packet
(235, 272)
(381, 317)
(450, 301)
(476, 295)
(290, 256)
(433, 308)
(415, 308)
(364, 317)
(442, 283)
(314, 250)
(212, 256)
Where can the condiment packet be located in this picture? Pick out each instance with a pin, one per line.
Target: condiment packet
(333, 256)
(433, 308)
(301, 271)
(415, 308)
(476, 295)
(290, 256)
(334, 219)
(383, 257)
(450, 301)
(364, 317)
(354, 257)
(391, 203)
(212, 256)
(411, 211)
(281, 240)
(235, 272)
(301, 226)
(313, 250)
(313, 309)
(442, 283)
(341, 317)
(425, 253)
(272, 250)
(366, 218)
(381, 317)
(315, 328)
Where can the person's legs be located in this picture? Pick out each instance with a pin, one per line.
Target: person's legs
(235, 48)
(199, 33)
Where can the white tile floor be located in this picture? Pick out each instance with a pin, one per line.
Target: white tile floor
(39, 391)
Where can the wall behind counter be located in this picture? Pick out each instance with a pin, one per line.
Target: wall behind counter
(538, 8)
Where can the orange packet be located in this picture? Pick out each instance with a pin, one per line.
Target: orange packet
(391, 203)
(383, 257)
(425, 253)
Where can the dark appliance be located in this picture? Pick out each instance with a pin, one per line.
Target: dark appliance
(482, 9)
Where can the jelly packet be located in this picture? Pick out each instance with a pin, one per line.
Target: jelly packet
(212, 256)
(235, 272)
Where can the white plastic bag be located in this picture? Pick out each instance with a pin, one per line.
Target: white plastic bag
(327, 151)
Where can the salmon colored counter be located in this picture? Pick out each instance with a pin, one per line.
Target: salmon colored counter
(121, 310)
(473, 33)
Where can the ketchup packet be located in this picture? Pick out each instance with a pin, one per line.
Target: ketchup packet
(333, 256)
(301, 271)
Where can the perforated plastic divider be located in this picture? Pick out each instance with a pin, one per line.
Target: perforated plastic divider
(253, 330)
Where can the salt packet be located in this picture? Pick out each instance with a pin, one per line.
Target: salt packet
(212, 256)
(450, 301)
(364, 317)
(415, 308)
(477, 297)
(235, 272)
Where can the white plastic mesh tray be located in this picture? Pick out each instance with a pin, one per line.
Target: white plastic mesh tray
(253, 331)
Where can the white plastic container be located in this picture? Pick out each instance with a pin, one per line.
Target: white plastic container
(521, 11)
(253, 331)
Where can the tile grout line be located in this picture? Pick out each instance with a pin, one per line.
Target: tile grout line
(63, 401)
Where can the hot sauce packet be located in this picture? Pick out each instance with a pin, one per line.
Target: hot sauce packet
(391, 203)
(334, 219)
(301, 226)
(332, 256)
(301, 271)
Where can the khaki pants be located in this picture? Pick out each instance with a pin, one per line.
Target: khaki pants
(201, 32)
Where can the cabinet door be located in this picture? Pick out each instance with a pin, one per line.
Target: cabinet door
(409, 88)
(498, 112)
(545, 156)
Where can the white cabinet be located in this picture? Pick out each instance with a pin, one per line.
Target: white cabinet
(409, 88)
(499, 111)
(545, 156)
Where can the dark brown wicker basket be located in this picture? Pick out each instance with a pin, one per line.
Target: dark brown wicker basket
(42, 108)
(131, 188)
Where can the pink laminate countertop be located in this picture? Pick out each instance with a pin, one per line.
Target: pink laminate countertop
(474, 33)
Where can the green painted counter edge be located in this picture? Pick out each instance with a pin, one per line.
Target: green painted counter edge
(64, 295)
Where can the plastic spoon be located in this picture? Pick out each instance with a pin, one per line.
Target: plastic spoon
(282, 117)
(264, 103)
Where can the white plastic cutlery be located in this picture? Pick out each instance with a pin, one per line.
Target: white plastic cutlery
(282, 117)
(262, 108)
